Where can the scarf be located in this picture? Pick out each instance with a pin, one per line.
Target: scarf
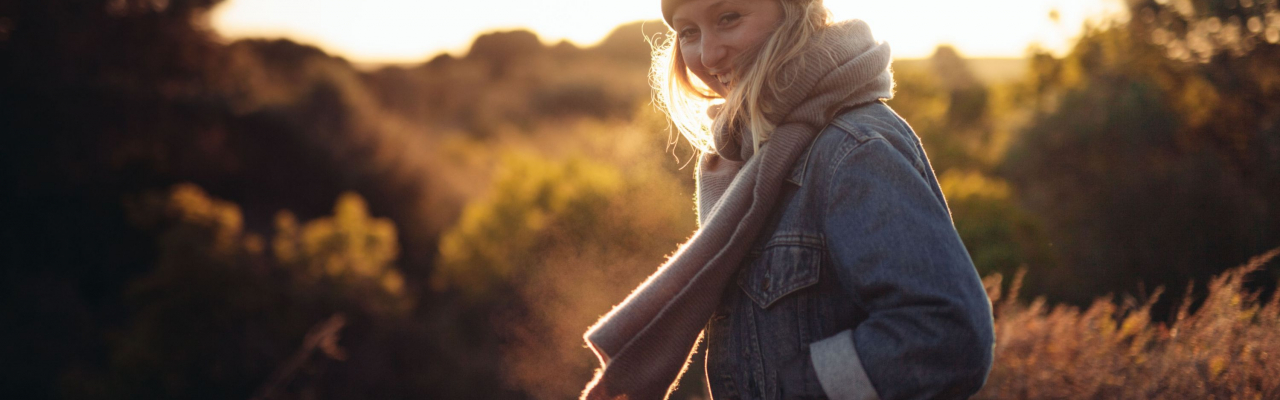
(645, 342)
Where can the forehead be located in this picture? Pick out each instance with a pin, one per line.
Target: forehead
(690, 9)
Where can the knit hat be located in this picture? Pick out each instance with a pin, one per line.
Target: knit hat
(668, 8)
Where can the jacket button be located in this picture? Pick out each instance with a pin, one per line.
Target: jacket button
(764, 283)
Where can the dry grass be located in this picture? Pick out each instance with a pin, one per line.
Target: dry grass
(1227, 349)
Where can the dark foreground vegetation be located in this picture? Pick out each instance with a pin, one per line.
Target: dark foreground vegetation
(190, 218)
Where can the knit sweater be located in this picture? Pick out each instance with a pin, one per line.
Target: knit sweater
(644, 343)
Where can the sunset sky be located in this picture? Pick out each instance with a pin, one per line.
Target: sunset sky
(400, 31)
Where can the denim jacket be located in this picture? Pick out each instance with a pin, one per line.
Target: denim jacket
(859, 286)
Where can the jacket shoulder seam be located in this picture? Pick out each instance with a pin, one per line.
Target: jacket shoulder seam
(858, 130)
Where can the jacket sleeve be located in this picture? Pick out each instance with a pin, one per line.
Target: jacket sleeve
(894, 249)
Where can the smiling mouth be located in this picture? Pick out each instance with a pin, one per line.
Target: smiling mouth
(724, 79)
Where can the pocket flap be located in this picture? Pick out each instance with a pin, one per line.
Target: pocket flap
(785, 265)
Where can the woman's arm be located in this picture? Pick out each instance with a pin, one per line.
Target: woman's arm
(894, 248)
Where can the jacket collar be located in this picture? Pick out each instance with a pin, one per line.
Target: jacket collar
(802, 164)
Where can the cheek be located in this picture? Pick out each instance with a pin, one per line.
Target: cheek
(757, 36)
(692, 57)
(762, 27)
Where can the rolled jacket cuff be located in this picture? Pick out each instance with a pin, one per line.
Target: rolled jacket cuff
(839, 370)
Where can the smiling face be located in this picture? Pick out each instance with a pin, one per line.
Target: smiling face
(714, 34)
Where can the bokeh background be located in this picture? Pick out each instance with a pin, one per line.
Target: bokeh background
(323, 200)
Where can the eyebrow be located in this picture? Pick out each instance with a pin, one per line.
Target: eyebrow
(714, 6)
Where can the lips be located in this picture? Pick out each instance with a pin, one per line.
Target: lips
(723, 78)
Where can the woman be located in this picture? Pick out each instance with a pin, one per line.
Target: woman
(826, 264)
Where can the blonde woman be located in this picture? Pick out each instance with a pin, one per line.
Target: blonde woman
(826, 264)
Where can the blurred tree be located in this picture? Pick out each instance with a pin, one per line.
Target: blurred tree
(634, 42)
(951, 110)
(502, 51)
(207, 322)
(510, 82)
(219, 313)
(1001, 237)
(1156, 152)
(495, 243)
(923, 102)
(968, 104)
(350, 247)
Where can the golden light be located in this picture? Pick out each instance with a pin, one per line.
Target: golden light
(397, 31)
(978, 28)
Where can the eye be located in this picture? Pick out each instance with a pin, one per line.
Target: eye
(729, 17)
(687, 33)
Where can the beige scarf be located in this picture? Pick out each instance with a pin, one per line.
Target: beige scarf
(645, 342)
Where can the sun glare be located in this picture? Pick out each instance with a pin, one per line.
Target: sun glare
(396, 31)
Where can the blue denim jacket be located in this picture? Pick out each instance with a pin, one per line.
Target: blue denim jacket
(859, 287)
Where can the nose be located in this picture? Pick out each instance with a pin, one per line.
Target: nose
(714, 52)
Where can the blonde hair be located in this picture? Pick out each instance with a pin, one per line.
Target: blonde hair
(685, 99)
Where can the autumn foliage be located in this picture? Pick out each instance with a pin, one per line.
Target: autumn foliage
(1226, 348)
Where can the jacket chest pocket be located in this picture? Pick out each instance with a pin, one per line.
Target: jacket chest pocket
(787, 264)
